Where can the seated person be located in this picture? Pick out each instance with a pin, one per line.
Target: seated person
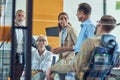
(42, 59)
(106, 24)
(67, 38)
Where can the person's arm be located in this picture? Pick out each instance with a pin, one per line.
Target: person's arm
(79, 60)
(61, 49)
(57, 67)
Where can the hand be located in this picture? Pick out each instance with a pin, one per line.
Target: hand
(59, 49)
(56, 50)
(48, 75)
(53, 50)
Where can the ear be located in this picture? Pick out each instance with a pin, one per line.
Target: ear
(99, 24)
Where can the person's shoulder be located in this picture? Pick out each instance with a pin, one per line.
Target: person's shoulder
(88, 22)
(95, 37)
(70, 28)
(34, 53)
(93, 40)
(49, 52)
(33, 49)
(89, 39)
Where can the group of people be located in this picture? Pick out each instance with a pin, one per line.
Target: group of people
(73, 52)
(88, 38)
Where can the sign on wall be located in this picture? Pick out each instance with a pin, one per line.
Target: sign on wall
(117, 4)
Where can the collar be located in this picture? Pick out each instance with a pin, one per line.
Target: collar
(43, 52)
(64, 29)
(87, 21)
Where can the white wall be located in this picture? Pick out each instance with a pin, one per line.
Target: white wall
(111, 10)
(21, 4)
(6, 19)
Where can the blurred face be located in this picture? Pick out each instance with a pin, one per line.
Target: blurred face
(41, 42)
(81, 16)
(20, 16)
(63, 20)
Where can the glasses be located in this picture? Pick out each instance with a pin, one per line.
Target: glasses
(20, 15)
(105, 23)
(41, 40)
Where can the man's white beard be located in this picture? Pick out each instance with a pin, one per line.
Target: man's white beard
(19, 23)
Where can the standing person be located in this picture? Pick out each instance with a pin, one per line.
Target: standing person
(42, 59)
(87, 28)
(68, 38)
(19, 43)
(106, 24)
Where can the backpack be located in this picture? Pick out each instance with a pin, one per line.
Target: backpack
(102, 59)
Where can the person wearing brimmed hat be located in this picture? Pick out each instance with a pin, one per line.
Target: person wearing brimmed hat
(106, 24)
(41, 59)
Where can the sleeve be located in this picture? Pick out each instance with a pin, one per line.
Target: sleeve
(90, 30)
(35, 61)
(48, 62)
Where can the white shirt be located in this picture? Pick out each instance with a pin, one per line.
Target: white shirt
(41, 62)
(19, 37)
